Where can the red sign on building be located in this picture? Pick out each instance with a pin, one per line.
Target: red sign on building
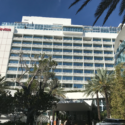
(5, 29)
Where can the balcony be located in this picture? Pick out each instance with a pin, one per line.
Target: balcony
(97, 42)
(14, 57)
(16, 44)
(99, 61)
(27, 39)
(26, 45)
(69, 60)
(46, 52)
(67, 41)
(58, 73)
(88, 48)
(109, 43)
(109, 55)
(88, 67)
(107, 48)
(37, 39)
(15, 51)
(89, 74)
(47, 46)
(97, 48)
(26, 51)
(67, 66)
(55, 46)
(13, 64)
(78, 67)
(78, 81)
(80, 54)
(78, 60)
(110, 61)
(90, 61)
(110, 68)
(57, 59)
(77, 74)
(88, 42)
(98, 67)
(37, 45)
(77, 47)
(67, 74)
(59, 66)
(98, 54)
(67, 53)
(77, 41)
(57, 53)
(17, 38)
(50, 40)
(11, 72)
(68, 47)
(57, 40)
(88, 54)
(67, 81)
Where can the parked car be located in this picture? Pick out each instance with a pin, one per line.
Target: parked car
(112, 122)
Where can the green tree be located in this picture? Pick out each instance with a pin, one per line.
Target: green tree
(103, 79)
(104, 5)
(118, 93)
(31, 102)
(92, 89)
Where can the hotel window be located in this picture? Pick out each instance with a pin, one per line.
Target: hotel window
(97, 52)
(12, 69)
(11, 76)
(48, 50)
(47, 43)
(88, 64)
(109, 65)
(37, 43)
(77, 39)
(96, 39)
(24, 62)
(67, 64)
(37, 37)
(26, 48)
(57, 44)
(106, 40)
(57, 50)
(59, 63)
(35, 55)
(98, 58)
(78, 71)
(36, 49)
(108, 59)
(57, 56)
(67, 44)
(88, 58)
(13, 61)
(15, 55)
(87, 51)
(34, 62)
(99, 65)
(107, 46)
(58, 77)
(67, 38)
(26, 55)
(87, 45)
(15, 48)
(88, 71)
(48, 37)
(67, 57)
(67, 77)
(31, 69)
(21, 69)
(77, 45)
(27, 36)
(67, 50)
(78, 64)
(77, 57)
(77, 51)
(58, 70)
(87, 78)
(26, 42)
(95, 45)
(78, 78)
(67, 86)
(113, 40)
(107, 52)
(78, 86)
(73, 29)
(17, 42)
(67, 70)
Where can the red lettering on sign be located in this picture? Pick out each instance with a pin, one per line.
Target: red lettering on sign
(5, 29)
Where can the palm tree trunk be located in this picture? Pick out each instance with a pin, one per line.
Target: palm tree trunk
(98, 108)
(107, 104)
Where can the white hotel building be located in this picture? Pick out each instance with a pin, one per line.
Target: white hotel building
(79, 50)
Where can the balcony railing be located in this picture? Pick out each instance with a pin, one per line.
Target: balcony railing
(17, 38)
(13, 64)
(16, 44)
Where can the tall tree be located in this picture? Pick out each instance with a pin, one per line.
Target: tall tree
(42, 73)
(92, 89)
(118, 93)
(103, 79)
(104, 5)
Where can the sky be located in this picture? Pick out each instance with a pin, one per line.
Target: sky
(13, 10)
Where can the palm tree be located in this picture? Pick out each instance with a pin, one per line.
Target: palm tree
(2, 81)
(92, 89)
(103, 5)
(103, 79)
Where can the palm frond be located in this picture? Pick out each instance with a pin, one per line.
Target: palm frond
(83, 5)
(101, 8)
(123, 21)
(111, 9)
(122, 7)
(76, 1)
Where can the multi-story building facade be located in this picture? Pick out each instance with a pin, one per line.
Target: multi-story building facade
(79, 50)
